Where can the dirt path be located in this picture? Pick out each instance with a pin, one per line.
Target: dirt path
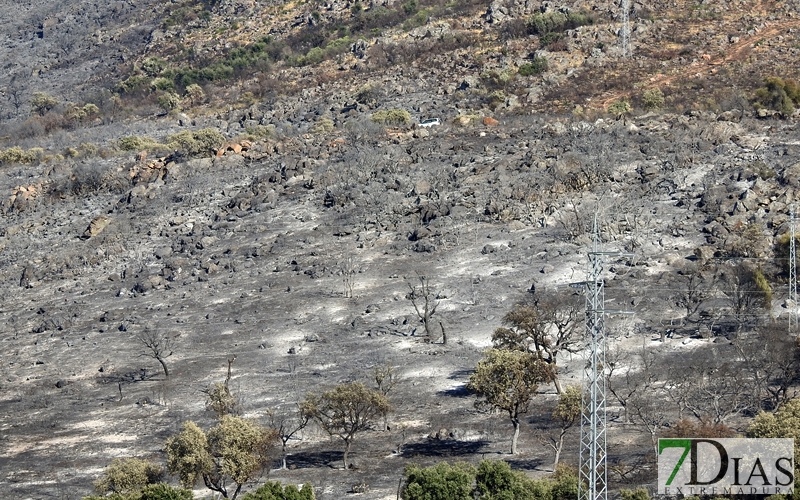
(736, 52)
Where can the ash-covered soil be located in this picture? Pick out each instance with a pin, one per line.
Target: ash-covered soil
(243, 255)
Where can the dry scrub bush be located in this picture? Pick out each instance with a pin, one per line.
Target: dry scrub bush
(395, 117)
(322, 126)
(220, 400)
(42, 102)
(17, 155)
(196, 143)
(136, 143)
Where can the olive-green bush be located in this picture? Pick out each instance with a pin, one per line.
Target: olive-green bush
(393, 117)
(128, 475)
(491, 480)
(653, 99)
(274, 490)
(536, 67)
(778, 94)
(136, 143)
(621, 107)
(196, 143)
(18, 155)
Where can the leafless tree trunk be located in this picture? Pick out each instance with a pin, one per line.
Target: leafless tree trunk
(423, 298)
(386, 377)
(348, 270)
(159, 346)
(287, 427)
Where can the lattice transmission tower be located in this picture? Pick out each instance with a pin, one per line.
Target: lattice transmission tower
(626, 29)
(593, 484)
(792, 273)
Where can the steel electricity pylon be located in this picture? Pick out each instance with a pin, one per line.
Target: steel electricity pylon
(593, 484)
(626, 29)
(792, 273)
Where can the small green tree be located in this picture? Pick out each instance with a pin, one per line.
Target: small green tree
(508, 380)
(273, 490)
(153, 66)
(126, 475)
(195, 94)
(440, 482)
(169, 100)
(784, 423)
(345, 411)
(653, 99)
(567, 412)
(547, 328)
(220, 400)
(234, 450)
(620, 108)
(41, 102)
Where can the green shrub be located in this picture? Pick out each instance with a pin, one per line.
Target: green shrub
(162, 491)
(161, 83)
(260, 132)
(195, 93)
(556, 22)
(418, 19)
(322, 126)
(653, 99)
(637, 494)
(492, 480)
(496, 481)
(136, 143)
(564, 483)
(88, 148)
(159, 491)
(763, 288)
(440, 482)
(197, 143)
(17, 155)
(153, 66)
(621, 107)
(128, 475)
(80, 113)
(134, 84)
(549, 38)
(169, 101)
(497, 80)
(314, 56)
(535, 67)
(367, 94)
(392, 117)
(42, 102)
(274, 490)
(778, 94)
(410, 7)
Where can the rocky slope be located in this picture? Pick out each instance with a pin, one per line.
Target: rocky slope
(243, 250)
